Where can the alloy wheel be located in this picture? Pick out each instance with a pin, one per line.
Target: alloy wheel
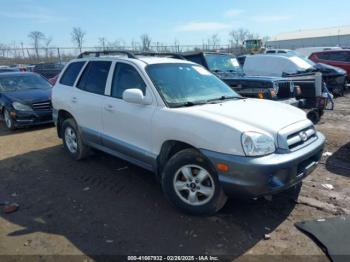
(194, 185)
(71, 140)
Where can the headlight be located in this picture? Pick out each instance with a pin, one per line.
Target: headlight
(257, 144)
(21, 107)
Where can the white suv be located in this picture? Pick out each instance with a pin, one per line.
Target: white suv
(173, 117)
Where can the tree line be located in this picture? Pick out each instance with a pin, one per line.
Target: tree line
(39, 41)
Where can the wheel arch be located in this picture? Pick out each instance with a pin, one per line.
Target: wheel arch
(168, 150)
(62, 115)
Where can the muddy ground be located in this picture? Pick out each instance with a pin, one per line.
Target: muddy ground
(105, 206)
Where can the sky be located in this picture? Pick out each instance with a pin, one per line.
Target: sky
(187, 21)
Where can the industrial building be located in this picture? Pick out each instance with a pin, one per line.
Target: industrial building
(324, 37)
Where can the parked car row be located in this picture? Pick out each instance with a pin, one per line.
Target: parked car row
(307, 92)
(204, 138)
(333, 62)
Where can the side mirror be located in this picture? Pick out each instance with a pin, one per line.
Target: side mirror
(135, 96)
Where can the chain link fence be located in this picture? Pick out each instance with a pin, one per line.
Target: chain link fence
(11, 56)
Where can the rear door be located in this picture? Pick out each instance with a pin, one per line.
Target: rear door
(88, 99)
(127, 127)
(64, 91)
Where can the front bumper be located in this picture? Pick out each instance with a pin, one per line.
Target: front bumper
(258, 176)
(32, 118)
(293, 102)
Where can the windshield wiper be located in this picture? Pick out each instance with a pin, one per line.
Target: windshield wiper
(217, 70)
(188, 103)
(223, 98)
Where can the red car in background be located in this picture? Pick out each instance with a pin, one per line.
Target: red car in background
(338, 58)
(53, 80)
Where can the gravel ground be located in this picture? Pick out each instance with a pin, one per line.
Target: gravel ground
(105, 206)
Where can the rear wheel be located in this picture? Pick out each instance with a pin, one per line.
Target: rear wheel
(8, 120)
(72, 140)
(191, 184)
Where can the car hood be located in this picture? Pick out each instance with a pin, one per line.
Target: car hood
(227, 76)
(29, 96)
(266, 115)
(328, 69)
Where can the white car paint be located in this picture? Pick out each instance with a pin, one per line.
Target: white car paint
(274, 65)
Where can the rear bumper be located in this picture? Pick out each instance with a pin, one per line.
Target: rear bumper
(258, 176)
(32, 118)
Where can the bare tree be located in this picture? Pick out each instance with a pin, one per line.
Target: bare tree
(146, 42)
(265, 40)
(134, 45)
(3, 49)
(215, 41)
(234, 38)
(78, 36)
(243, 35)
(177, 48)
(48, 41)
(36, 37)
(102, 42)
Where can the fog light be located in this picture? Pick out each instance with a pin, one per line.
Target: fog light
(222, 167)
(261, 95)
(298, 90)
(13, 114)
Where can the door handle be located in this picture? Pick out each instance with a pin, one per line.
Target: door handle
(74, 99)
(109, 108)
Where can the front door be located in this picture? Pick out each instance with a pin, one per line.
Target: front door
(127, 127)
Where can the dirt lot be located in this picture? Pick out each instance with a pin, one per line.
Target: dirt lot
(105, 206)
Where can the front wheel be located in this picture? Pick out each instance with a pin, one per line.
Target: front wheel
(191, 184)
(8, 120)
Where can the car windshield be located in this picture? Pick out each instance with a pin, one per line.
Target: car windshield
(188, 84)
(218, 62)
(12, 83)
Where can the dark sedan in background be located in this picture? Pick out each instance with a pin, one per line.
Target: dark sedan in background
(48, 70)
(25, 99)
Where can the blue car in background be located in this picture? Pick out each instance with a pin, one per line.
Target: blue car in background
(25, 99)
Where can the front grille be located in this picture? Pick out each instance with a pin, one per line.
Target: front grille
(42, 106)
(301, 137)
(284, 90)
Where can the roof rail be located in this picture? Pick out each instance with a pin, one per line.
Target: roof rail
(107, 52)
(172, 55)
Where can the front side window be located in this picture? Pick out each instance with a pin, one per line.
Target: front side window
(94, 77)
(224, 63)
(126, 77)
(22, 82)
(187, 83)
(70, 75)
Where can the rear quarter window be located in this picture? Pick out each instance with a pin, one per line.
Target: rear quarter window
(71, 73)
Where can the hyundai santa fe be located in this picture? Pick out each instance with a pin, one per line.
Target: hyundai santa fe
(203, 141)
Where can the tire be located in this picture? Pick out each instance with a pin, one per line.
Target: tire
(193, 174)
(9, 123)
(72, 140)
(313, 116)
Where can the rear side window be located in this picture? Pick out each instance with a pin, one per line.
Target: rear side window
(94, 77)
(335, 56)
(71, 73)
(196, 59)
(126, 77)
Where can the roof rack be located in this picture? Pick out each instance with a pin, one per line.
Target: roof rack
(172, 55)
(108, 52)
